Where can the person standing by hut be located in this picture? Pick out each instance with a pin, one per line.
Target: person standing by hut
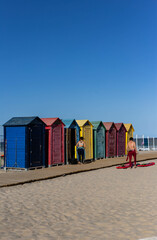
(81, 150)
(132, 151)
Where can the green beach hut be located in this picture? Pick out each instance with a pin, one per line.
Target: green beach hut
(98, 139)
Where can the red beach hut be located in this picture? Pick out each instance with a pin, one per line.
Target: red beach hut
(110, 139)
(121, 132)
(54, 141)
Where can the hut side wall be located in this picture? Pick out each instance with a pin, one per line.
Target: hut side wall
(66, 145)
(94, 144)
(77, 133)
(47, 146)
(126, 142)
(106, 144)
(15, 153)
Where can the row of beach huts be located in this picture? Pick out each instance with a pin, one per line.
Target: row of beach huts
(32, 142)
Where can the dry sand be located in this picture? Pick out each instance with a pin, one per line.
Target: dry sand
(107, 204)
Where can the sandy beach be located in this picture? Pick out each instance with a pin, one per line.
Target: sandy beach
(110, 204)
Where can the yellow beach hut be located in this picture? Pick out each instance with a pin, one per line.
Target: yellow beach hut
(86, 131)
(129, 133)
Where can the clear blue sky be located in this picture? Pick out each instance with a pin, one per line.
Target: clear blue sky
(82, 59)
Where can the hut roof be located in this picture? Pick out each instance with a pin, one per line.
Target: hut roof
(21, 121)
(108, 125)
(119, 125)
(81, 123)
(68, 122)
(128, 126)
(96, 124)
(50, 121)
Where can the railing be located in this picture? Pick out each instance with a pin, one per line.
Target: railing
(146, 143)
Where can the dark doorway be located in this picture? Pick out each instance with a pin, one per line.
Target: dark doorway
(71, 144)
(36, 145)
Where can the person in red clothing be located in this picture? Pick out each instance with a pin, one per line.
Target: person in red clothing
(132, 151)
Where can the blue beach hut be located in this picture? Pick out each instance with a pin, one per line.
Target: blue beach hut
(25, 142)
(71, 137)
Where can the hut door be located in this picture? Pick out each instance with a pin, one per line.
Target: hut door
(36, 145)
(57, 145)
(47, 134)
(100, 143)
(87, 135)
(71, 143)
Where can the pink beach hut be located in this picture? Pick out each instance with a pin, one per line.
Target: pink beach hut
(121, 132)
(54, 141)
(110, 139)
